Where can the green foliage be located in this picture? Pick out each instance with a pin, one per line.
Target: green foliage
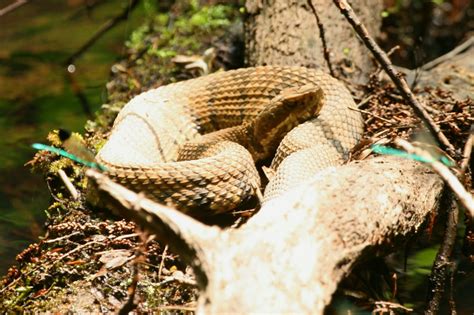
(149, 7)
(418, 268)
(207, 17)
(138, 36)
(421, 262)
(179, 35)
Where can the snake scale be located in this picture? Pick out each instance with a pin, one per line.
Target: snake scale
(194, 144)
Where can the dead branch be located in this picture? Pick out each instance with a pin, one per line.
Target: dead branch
(448, 56)
(467, 152)
(182, 232)
(67, 182)
(442, 264)
(397, 79)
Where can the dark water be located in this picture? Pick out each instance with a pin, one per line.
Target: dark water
(35, 97)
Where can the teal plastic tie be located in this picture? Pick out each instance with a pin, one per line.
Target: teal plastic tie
(61, 152)
(381, 149)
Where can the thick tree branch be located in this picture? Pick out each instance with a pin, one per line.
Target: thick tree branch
(184, 234)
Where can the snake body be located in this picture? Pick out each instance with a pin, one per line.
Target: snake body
(157, 145)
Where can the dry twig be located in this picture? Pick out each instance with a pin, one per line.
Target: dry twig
(162, 262)
(467, 152)
(456, 51)
(11, 7)
(67, 182)
(453, 182)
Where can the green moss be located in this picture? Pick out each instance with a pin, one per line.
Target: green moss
(197, 21)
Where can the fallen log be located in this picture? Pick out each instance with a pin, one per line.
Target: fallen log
(291, 255)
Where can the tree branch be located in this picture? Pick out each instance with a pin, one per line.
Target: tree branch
(396, 77)
(442, 263)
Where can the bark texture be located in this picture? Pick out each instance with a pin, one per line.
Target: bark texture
(282, 32)
(453, 72)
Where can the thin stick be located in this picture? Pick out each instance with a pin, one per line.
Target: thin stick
(456, 51)
(11, 7)
(54, 240)
(179, 279)
(162, 262)
(67, 182)
(322, 36)
(397, 79)
(365, 101)
(467, 152)
(464, 197)
(442, 263)
(371, 114)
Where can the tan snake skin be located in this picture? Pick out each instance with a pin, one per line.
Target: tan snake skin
(157, 129)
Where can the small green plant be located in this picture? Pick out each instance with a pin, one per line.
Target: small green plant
(159, 37)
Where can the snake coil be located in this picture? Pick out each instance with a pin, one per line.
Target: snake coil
(145, 149)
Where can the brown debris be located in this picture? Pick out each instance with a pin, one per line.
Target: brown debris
(387, 115)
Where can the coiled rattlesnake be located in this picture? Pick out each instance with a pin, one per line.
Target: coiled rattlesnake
(156, 144)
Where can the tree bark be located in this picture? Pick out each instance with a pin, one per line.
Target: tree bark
(282, 32)
(453, 72)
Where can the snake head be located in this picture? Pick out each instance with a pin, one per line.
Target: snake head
(291, 107)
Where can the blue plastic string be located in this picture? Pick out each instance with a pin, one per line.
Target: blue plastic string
(380, 149)
(40, 146)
